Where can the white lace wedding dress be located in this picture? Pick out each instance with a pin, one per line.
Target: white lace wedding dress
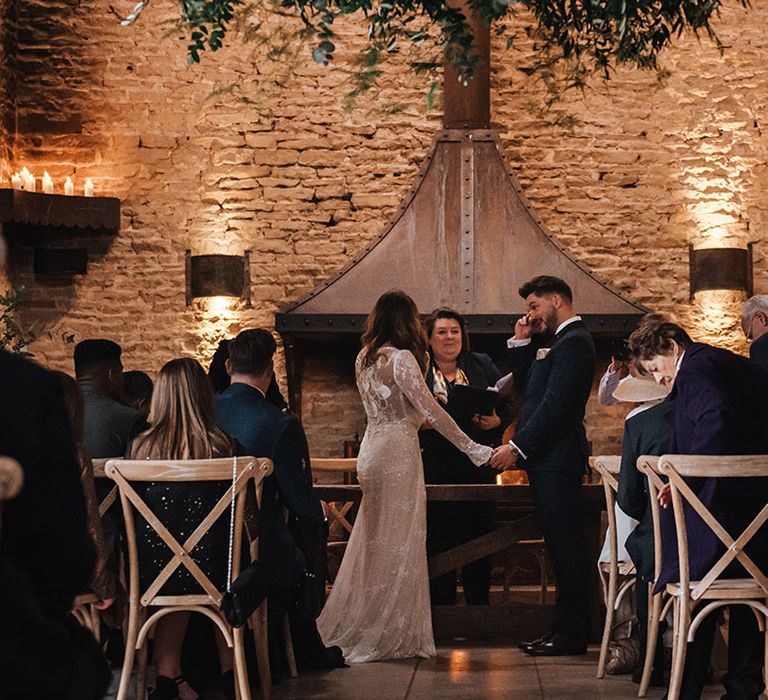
(379, 605)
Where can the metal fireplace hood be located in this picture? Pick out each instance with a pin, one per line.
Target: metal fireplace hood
(465, 237)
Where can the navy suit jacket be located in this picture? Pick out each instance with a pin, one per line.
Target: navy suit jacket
(551, 430)
(758, 351)
(721, 408)
(265, 431)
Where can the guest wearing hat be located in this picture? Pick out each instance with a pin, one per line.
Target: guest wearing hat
(647, 431)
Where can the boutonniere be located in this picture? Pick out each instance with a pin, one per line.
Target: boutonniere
(542, 353)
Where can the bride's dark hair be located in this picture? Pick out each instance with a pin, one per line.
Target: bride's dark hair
(395, 320)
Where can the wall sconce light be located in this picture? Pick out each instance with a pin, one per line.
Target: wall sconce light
(720, 268)
(218, 276)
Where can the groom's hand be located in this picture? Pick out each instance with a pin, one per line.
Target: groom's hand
(503, 457)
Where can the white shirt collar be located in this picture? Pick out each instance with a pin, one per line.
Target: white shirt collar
(572, 319)
(679, 361)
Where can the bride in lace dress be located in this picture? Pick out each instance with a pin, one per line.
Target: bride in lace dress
(379, 606)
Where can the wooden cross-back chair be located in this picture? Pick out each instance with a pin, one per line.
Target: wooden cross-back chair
(712, 590)
(251, 472)
(11, 481)
(84, 609)
(347, 467)
(659, 603)
(608, 466)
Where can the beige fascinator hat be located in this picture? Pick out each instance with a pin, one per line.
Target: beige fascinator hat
(640, 390)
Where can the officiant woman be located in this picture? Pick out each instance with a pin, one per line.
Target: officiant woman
(450, 524)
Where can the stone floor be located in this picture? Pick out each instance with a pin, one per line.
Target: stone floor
(464, 671)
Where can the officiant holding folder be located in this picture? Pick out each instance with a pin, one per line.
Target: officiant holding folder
(459, 378)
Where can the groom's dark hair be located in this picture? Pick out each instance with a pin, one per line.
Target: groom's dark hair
(546, 284)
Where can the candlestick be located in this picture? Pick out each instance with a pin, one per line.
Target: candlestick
(47, 183)
(69, 187)
(88, 188)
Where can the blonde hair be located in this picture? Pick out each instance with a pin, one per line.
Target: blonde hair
(182, 416)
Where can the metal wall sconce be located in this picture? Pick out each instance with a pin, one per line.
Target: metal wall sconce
(218, 276)
(720, 268)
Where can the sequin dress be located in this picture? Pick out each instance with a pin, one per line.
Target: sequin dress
(379, 606)
(181, 508)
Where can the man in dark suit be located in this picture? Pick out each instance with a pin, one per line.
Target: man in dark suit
(46, 554)
(754, 323)
(555, 374)
(263, 430)
(720, 409)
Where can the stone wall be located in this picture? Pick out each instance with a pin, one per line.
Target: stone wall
(246, 153)
(6, 87)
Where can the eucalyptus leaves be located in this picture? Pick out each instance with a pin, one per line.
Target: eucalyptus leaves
(590, 34)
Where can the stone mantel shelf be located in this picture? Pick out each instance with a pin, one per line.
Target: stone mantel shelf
(55, 210)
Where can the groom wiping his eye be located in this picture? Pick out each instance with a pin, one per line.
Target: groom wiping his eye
(553, 362)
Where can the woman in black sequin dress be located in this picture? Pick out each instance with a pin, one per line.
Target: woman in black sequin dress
(183, 427)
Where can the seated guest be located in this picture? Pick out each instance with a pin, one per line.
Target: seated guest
(450, 524)
(217, 373)
(103, 582)
(720, 408)
(647, 431)
(46, 553)
(754, 323)
(264, 431)
(109, 425)
(217, 370)
(137, 391)
(183, 427)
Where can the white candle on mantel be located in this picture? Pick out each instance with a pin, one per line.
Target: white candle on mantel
(47, 183)
(69, 187)
(88, 188)
(16, 181)
(31, 184)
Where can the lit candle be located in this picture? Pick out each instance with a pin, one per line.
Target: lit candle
(16, 181)
(69, 187)
(88, 188)
(47, 183)
(31, 184)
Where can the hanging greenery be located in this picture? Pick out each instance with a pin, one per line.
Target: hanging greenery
(594, 35)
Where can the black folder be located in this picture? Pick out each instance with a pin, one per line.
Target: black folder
(465, 401)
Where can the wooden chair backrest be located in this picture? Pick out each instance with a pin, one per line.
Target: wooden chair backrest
(608, 466)
(99, 473)
(11, 481)
(11, 478)
(678, 468)
(647, 464)
(249, 470)
(342, 465)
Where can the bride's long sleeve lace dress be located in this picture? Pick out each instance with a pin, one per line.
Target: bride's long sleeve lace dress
(379, 605)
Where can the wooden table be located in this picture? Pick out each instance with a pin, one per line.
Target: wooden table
(517, 501)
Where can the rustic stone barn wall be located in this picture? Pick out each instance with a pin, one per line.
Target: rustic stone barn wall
(246, 153)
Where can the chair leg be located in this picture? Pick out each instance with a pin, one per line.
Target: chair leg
(241, 671)
(651, 640)
(261, 641)
(130, 651)
(682, 623)
(610, 609)
(292, 670)
(141, 672)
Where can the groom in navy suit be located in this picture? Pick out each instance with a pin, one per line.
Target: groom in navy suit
(553, 363)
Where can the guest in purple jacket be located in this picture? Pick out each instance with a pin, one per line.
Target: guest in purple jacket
(721, 408)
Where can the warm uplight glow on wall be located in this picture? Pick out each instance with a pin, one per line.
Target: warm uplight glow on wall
(715, 317)
(215, 318)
